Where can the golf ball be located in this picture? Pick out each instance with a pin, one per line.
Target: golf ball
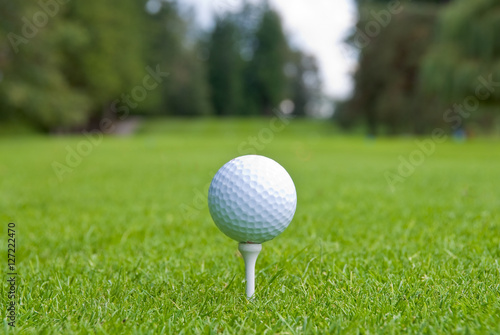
(252, 199)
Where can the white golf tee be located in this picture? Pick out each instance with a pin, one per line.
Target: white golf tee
(250, 252)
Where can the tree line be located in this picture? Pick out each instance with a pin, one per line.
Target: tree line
(425, 65)
(422, 64)
(66, 65)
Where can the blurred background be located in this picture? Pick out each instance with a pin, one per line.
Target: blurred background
(372, 67)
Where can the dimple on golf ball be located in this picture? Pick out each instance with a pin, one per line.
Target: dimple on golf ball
(252, 199)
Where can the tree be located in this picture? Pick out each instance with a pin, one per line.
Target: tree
(305, 83)
(186, 90)
(34, 86)
(252, 69)
(66, 65)
(266, 78)
(170, 46)
(385, 2)
(108, 60)
(464, 61)
(387, 95)
(225, 68)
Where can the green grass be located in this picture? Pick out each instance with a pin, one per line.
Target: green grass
(124, 244)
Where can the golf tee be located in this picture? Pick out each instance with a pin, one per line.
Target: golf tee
(250, 252)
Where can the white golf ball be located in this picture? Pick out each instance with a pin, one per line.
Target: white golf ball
(252, 199)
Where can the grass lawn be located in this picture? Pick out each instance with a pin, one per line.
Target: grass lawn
(123, 243)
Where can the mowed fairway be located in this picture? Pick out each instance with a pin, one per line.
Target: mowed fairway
(124, 243)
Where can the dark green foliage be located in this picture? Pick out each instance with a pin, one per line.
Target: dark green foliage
(252, 69)
(226, 68)
(305, 83)
(108, 60)
(34, 85)
(83, 62)
(386, 93)
(92, 60)
(465, 56)
(186, 89)
(432, 66)
(367, 2)
(80, 58)
(267, 80)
